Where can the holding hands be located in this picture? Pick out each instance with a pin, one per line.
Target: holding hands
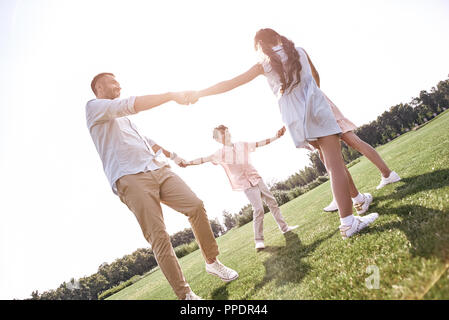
(192, 96)
(186, 97)
(183, 164)
(178, 160)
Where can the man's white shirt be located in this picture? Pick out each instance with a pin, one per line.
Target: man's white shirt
(122, 148)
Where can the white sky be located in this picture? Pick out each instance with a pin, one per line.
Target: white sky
(58, 217)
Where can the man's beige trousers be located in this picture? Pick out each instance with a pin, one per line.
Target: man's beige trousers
(143, 193)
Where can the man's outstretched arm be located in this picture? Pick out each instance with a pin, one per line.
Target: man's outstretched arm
(102, 110)
(147, 102)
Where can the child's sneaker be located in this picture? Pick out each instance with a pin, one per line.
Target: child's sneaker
(290, 228)
(260, 245)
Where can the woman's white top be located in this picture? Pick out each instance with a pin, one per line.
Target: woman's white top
(304, 109)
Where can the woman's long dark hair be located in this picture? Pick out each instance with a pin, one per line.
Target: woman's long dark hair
(266, 39)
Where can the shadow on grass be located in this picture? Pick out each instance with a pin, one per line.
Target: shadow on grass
(423, 182)
(427, 229)
(284, 264)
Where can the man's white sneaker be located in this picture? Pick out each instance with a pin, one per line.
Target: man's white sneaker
(362, 207)
(290, 228)
(260, 245)
(358, 224)
(392, 178)
(192, 296)
(224, 273)
(331, 207)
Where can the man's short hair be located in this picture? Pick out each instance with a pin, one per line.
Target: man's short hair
(98, 77)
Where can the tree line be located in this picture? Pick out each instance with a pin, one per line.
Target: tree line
(121, 270)
(389, 125)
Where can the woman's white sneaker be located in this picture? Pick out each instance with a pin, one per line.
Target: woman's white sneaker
(392, 178)
(332, 206)
(224, 273)
(358, 224)
(363, 207)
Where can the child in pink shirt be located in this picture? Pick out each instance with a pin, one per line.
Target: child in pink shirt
(235, 160)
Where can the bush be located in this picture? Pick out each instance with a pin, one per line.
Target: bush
(245, 215)
(295, 193)
(323, 179)
(313, 184)
(349, 165)
(119, 287)
(281, 197)
(186, 248)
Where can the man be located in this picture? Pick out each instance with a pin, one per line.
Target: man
(142, 180)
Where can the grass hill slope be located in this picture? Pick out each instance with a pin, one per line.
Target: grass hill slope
(408, 245)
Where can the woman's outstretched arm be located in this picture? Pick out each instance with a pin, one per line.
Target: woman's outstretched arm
(233, 83)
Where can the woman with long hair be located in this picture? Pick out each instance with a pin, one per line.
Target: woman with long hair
(304, 110)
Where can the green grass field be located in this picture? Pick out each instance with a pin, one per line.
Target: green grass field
(409, 243)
